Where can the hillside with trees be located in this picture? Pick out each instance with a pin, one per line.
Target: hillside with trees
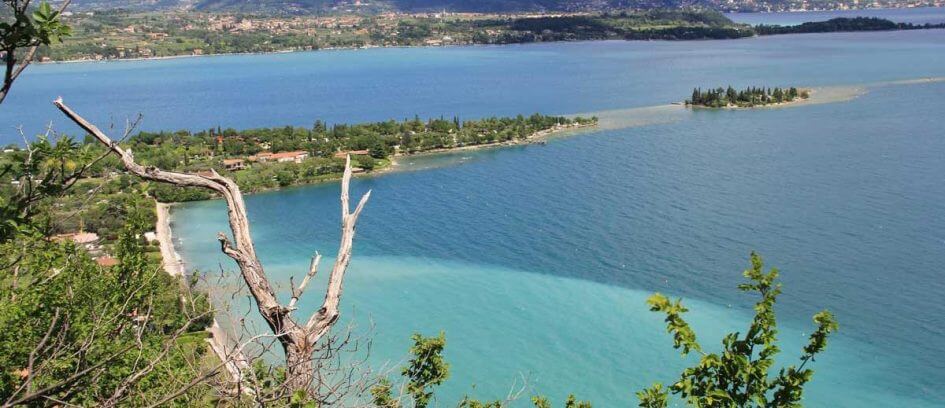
(121, 34)
(482, 6)
(841, 24)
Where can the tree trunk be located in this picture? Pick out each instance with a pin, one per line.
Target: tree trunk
(300, 370)
(297, 340)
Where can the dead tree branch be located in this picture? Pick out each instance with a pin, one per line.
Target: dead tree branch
(297, 340)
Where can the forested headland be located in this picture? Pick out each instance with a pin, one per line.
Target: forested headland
(266, 158)
(842, 24)
(745, 98)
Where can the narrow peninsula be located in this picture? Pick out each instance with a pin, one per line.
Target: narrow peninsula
(268, 158)
(747, 98)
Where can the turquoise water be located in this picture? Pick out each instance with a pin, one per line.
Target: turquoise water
(536, 260)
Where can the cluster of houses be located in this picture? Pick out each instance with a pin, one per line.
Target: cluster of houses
(92, 244)
(265, 157)
(278, 25)
(283, 157)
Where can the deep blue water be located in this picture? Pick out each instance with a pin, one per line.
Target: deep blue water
(920, 15)
(538, 259)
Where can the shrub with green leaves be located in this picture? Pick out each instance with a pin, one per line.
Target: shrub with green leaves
(22, 29)
(738, 376)
(425, 370)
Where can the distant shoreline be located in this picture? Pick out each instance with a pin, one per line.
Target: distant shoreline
(298, 51)
(360, 48)
(530, 139)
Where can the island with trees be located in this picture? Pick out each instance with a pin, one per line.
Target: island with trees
(745, 98)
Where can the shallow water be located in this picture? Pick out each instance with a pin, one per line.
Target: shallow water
(537, 259)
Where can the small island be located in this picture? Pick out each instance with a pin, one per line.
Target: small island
(747, 98)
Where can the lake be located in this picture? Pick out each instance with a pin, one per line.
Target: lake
(536, 260)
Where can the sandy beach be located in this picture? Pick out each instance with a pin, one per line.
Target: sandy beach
(236, 361)
(172, 262)
(174, 266)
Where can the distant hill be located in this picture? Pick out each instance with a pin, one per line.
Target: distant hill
(305, 6)
(449, 5)
(93, 5)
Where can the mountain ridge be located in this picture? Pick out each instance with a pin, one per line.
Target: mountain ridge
(484, 6)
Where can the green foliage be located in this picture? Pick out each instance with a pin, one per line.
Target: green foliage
(32, 177)
(98, 314)
(382, 395)
(752, 96)
(365, 162)
(653, 397)
(427, 368)
(268, 381)
(128, 249)
(41, 27)
(119, 315)
(541, 402)
(299, 399)
(167, 193)
(468, 402)
(683, 336)
(572, 402)
(22, 33)
(739, 375)
(841, 24)
(48, 25)
(201, 151)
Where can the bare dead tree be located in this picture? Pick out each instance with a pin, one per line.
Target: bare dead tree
(298, 340)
